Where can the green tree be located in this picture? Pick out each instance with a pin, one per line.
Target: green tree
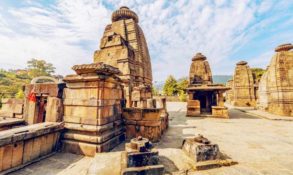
(20, 94)
(257, 73)
(182, 84)
(40, 68)
(155, 91)
(170, 86)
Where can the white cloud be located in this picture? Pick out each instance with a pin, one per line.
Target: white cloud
(68, 32)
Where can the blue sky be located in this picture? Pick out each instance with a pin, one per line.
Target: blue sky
(67, 32)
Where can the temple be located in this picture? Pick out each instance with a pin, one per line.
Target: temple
(204, 97)
(123, 45)
(276, 92)
(244, 94)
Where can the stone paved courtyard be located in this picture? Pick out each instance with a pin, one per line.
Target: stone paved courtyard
(260, 146)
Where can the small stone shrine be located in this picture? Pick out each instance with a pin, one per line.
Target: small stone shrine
(43, 102)
(243, 86)
(92, 109)
(204, 97)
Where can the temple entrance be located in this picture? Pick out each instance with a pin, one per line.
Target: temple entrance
(41, 104)
(207, 99)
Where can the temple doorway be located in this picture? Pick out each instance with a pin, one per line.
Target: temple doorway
(40, 111)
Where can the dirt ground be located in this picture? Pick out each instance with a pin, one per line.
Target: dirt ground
(260, 146)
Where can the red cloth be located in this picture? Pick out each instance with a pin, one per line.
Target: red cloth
(32, 96)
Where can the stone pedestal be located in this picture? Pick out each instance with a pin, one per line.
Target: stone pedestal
(92, 110)
(140, 158)
(220, 112)
(200, 149)
(193, 108)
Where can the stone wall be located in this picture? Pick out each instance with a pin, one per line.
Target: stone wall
(24, 145)
(229, 93)
(146, 122)
(12, 108)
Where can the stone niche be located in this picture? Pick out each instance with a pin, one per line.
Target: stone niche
(22, 146)
(46, 106)
(204, 97)
(11, 113)
(124, 46)
(92, 109)
(243, 86)
(277, 82)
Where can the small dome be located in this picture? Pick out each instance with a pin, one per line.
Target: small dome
(284, 47)
(199, 56)
(124, 13)
(242, 63)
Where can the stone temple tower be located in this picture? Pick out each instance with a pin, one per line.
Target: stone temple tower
(279, 81)
(243, 86)
(123, 45)
(200, 71)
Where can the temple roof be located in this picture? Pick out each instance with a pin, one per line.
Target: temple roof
(199, 56)
(211, 87)
(99, 68)
(124, 13)
(284, 47)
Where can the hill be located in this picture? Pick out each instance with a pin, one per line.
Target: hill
(221, 79)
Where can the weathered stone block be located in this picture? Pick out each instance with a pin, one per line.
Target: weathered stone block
(200, 149)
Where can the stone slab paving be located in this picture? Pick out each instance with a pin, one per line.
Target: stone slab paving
(262, 147)
(260, 113)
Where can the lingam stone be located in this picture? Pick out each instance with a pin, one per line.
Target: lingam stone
(123, 45)
(279, 81)
(204, 97)
(243, 86)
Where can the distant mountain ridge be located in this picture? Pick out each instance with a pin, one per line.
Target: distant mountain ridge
(221, 79)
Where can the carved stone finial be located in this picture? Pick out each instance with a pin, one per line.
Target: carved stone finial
(124, 13)
(199, 56)
(284, 47)
(242, 63)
